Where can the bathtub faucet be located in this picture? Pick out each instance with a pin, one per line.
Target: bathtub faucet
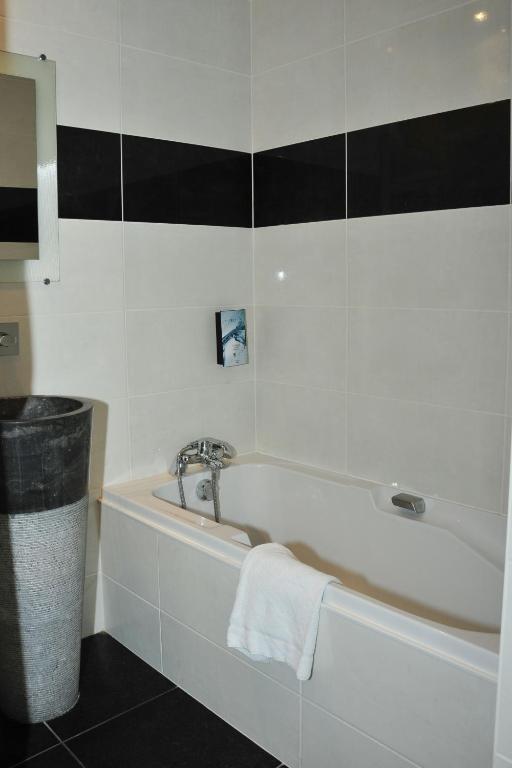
(211, 453)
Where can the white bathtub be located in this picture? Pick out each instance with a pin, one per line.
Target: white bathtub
(406, 663)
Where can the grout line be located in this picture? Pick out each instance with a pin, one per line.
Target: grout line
(59, 30)
(380, 308)
(159, 604)
(191, 307)
(366, 735)
(119, 714)
(123, 253)
(197, 63)
(346, 42)
(134, 594)
(198, 387)
(387, 398)
(37, 754)
(61, 743)
(253, 238)
(346, 248)
(231, 654)
(72, 754)
(406, 24)
(292, 62)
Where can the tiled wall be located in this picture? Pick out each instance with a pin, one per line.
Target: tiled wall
(381, 173)
(131, 323)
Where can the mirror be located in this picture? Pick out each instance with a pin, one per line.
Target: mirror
(28, 169)
(18, 168)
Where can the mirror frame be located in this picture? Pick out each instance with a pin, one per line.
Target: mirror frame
(46, 267)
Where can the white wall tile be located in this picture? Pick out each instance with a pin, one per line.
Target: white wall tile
(92, 553)
(443, 452)
(211, 33)
(133, 622)
(326, 740)
(302, 264)
(262, 709)
(110, 459)
(83, 356)
(205, 598)
(161, 424)
(446, 62)
(445, 259)
(202, 105)
(443, 357)
(302, 345)
(172, 349)
(96, 18)
(292, 29)
(129, 554)
(299, 101)
(91, 273)
(366, 678)
(93, 619)
(171, 265)
(365, 17)
(501, 762)
(88, 88)
(302, 424)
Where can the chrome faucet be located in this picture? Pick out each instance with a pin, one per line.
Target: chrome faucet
(211, 453)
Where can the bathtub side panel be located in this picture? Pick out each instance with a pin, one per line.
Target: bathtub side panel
(198, 589)
(133, 622)
(428, 709)
(262, 709)
(325, 740)
(129, 553)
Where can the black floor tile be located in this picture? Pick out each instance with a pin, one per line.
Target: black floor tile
(17, 742)
(112, 680)
(54, 758)
(171, 731)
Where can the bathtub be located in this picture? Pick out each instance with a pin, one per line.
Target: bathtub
(406, 662)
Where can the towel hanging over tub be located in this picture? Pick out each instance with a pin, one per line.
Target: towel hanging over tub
(277, 608)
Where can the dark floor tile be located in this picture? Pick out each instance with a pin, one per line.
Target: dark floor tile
(112, 679)
(17, 742)
(54, 758)
(173, 730)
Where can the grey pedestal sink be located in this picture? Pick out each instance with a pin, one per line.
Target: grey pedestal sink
(44, 465)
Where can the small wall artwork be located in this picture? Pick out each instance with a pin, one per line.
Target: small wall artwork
(231, 337)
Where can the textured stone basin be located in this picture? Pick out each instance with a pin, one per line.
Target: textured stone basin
(44, 465)
(35, 407)
(44, 452)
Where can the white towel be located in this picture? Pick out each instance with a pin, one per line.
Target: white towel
(277, 608)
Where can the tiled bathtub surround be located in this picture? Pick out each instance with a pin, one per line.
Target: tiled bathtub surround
(383, 328)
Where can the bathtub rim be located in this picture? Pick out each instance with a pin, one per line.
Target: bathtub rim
(476, 652)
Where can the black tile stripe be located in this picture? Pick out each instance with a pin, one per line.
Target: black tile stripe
(18, 215)
(176, 183)
(456, 159)
(89, 174)
(300, 182)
